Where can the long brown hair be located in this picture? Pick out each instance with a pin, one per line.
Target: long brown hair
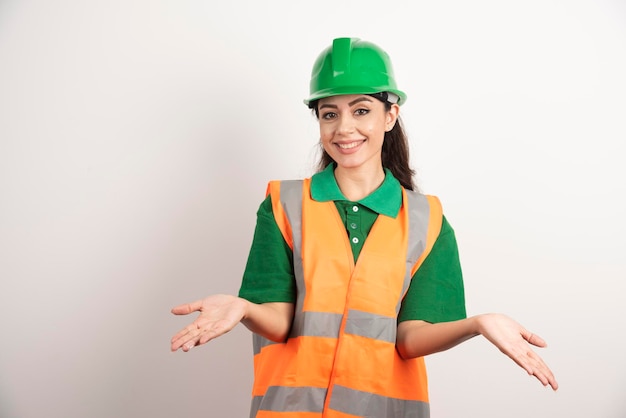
(395, 151)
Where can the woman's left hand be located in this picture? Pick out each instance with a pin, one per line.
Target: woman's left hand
(513, 340)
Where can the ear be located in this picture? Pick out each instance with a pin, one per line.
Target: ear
(392, 117)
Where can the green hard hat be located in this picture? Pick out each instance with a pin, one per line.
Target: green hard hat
(352, 66)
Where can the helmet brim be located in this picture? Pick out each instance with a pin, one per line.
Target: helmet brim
(344, 90)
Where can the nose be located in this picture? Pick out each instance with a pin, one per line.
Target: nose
(346, 125)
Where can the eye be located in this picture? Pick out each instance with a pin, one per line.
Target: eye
(361, 111)
(329, 115)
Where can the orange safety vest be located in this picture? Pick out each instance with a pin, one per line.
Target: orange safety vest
(340, 359)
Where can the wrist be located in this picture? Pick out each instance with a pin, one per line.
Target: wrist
(246, 307)
(479, 323)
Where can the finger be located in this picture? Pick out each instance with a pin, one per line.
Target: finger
(553, 383)
(531, 362)
(547, 377)
(542, 379)
(205, 338)
(177, 345)
(189, 345)
(535, 340)
(198, 338)
(210, 334)
(526, 359)
(541, 371)
(194, 334)
(189, 332)
(187, 308)
(186, 342)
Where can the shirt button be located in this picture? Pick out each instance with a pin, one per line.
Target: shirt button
(355, 208)
(353, 225)
(355, 240)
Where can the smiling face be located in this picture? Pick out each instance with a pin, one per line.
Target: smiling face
(352, 130)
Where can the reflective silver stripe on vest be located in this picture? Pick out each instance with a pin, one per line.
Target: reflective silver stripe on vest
(290, 399)
(365, 404)
(312, 324)
(316, 324)
(254, 407)
(419, 219)
(291, 201)
(370, 325)
(326, 324)
(259, 342)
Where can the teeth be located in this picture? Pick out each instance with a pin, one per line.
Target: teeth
(348, 146)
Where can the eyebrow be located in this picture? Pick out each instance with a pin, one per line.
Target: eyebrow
(352, 103)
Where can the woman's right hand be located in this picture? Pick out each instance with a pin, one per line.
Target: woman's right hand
(218, 315)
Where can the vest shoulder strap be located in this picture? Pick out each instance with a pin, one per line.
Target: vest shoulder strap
(286, 198)
(433, 222)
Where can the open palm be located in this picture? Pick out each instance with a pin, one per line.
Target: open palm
(218, 315)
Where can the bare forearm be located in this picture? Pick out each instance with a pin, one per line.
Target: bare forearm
(270, 320)
(419, 338)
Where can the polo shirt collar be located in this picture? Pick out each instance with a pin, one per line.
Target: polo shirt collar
(385, 200)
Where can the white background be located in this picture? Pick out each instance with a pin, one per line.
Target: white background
(137, 138)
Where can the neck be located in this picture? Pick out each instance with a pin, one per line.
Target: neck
(355, 184)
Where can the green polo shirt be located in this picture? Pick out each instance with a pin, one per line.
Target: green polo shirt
(436, 291)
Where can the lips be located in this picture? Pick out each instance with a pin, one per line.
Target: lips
(349, 145)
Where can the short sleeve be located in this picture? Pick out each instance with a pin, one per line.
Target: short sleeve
(268, 276)
(436, 293)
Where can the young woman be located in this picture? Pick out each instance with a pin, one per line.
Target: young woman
(353, 276)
